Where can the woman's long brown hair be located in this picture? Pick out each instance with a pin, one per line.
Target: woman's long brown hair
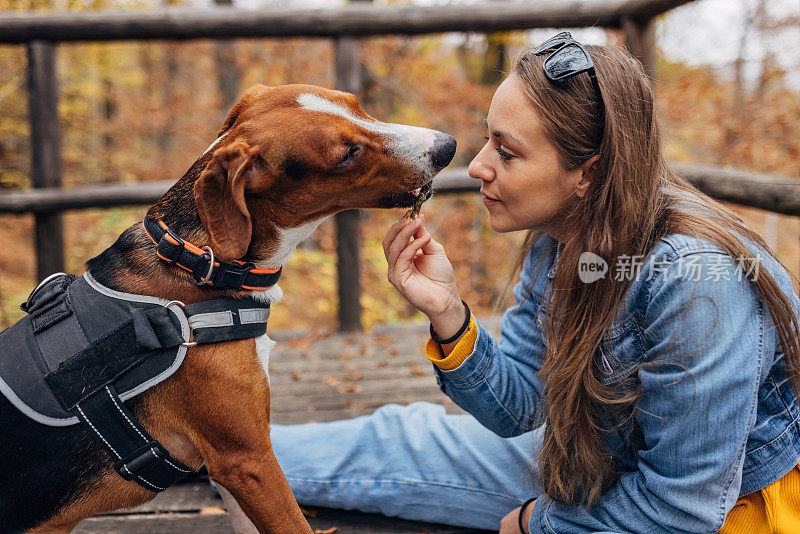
(632, 202)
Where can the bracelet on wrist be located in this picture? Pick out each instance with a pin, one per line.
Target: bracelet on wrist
(457, 334)
(521, 517)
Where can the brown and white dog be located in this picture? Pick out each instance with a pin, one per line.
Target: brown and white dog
(286, 158)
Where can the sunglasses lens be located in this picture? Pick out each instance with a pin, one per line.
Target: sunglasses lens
(567, 61)
(553, 43)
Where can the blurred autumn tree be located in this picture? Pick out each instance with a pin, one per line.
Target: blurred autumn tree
(135, 111)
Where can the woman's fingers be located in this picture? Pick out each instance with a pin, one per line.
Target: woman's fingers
(401, 241)
(432, 247)
(404, 260)
(391, 234)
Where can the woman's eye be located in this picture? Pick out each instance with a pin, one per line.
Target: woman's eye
(505, 156)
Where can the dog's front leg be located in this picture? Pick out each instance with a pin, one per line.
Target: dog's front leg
(241, 524)
(256, 481)
(259, 487)
(221, 395)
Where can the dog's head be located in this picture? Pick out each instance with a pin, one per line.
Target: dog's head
(290, 155)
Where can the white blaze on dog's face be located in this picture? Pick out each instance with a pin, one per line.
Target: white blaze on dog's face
(294, 154)
(409, 143)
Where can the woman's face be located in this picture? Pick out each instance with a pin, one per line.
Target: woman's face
(523, 185)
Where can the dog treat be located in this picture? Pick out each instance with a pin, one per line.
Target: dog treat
(423, 193)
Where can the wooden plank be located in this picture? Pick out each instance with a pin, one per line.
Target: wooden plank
(318, 368)
(647, 9)
(176, 510)
(302, 380)
(348, 268)
(358, 401)
(781, 195)
(348, 223)
(45, 152)
(359, 523)
(183, 498)
(771, 193)
(322, 416)
(345, 523)
(640, 40)
(354, 20)
(96, 196)
(156, 524)
(322, 389)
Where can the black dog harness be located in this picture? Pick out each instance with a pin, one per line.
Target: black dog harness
(83, 349)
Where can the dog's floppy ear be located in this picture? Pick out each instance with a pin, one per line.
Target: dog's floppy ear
(246, 100)
(219, 193)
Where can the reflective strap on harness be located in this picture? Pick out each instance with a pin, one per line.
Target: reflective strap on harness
(137, 456)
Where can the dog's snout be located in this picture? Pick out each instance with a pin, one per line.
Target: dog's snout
(443, 151)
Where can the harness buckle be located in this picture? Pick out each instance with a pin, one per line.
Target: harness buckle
(140, 460)
(181, 305)
(231, 275)
(26, 306)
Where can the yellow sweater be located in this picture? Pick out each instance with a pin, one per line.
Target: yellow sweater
(772, 510)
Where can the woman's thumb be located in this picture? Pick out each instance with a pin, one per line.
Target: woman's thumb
(432, 247)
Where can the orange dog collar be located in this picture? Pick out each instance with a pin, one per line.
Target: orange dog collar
(205, 269)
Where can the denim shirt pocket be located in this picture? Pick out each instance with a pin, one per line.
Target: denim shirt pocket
(619, 351)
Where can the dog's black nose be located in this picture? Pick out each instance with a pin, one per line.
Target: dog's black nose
(443, 151)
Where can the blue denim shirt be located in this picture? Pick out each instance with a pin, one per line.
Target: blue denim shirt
(719, 422)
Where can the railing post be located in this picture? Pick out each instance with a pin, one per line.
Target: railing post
(348, 223)
(640, 40)
(45, 152)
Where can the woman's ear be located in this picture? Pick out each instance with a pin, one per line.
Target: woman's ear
(588, 171)
(219, 193)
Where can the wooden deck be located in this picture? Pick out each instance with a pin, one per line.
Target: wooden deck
(314, 377)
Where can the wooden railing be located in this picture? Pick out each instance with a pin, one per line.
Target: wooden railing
(779, 195)
(41, 33)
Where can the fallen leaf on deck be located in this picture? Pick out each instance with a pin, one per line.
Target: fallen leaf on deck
(328, 531)
(355, 377)
(382, 341)
(417, 370)
(331, 380)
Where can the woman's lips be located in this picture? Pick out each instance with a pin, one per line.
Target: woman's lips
(487, 199)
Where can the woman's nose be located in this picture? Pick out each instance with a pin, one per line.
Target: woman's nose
(479, 169)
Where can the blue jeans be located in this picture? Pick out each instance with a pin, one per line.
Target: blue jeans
(414, 462)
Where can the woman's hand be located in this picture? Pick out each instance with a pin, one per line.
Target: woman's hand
(510, 523)
(421, 272)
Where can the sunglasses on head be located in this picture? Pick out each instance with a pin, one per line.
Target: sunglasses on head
(567, 58)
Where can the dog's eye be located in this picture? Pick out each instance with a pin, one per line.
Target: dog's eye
(352, 151)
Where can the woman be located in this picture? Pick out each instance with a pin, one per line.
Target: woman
(653, 392)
